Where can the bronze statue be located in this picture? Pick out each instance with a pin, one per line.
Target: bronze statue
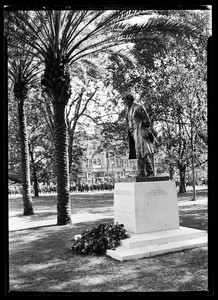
(141, 136)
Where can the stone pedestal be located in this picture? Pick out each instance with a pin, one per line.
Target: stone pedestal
(148, 208)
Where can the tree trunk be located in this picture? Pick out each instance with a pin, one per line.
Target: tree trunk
(171, 171)
(70, 149)
(182, 187)
(193, 167)
(35, 179)
(25, 164)
(35, 184)
(193, 181)
(62, 164)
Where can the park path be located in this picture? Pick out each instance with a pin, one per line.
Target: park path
(24, 222)
(47, 216)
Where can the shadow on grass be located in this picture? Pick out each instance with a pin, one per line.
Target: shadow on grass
(194, 218)
(41, 260)
(39, 216)
(199, 194)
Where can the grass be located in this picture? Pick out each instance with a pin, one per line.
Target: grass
(40, 259)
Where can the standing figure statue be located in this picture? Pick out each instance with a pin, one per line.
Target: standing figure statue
(141, 137)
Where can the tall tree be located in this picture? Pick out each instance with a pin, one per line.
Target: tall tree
(61, 38)
(22, 73)
(40, 142)
(13, 135)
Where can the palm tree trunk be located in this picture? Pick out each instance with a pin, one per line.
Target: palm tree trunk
(25, 164)
(62, 165)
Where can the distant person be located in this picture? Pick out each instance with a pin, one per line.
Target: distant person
(141, 136)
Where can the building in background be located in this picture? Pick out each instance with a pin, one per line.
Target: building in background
(104, 164)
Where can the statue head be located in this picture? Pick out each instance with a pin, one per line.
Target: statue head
(128, 98)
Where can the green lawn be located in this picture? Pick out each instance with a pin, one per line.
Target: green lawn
(40, 259)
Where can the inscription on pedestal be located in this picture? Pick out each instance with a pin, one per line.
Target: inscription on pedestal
(123, 193)
(155, 192)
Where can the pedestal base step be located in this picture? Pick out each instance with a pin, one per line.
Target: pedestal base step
(159, 242)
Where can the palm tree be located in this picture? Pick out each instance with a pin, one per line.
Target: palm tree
(62, 38)
(22, 73)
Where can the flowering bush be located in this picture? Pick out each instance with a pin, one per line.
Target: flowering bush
(98, 239)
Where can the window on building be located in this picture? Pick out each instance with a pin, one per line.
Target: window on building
(118, 162)
(90, 163)
(111, 162)
(86, 162)
(121, 162)
(103, 159)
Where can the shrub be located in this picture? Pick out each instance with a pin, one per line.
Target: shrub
(98, 239)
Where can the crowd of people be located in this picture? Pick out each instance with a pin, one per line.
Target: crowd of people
(92, 187)
(16, 189)
(45, 189)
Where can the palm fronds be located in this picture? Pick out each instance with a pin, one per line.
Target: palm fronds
(24, 70)
(76, 34)
(156, 25)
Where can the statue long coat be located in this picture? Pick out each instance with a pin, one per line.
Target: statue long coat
(141, 138)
